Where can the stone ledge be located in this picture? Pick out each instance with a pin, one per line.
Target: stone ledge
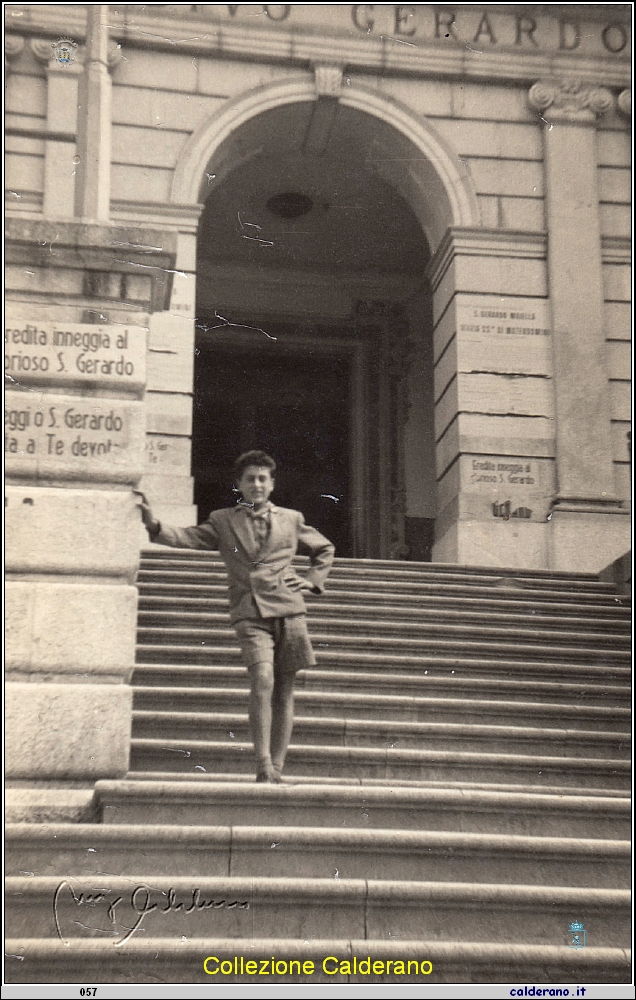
(211, 38)
(110, 249)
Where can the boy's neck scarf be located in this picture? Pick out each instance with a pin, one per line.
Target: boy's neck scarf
(263, 512)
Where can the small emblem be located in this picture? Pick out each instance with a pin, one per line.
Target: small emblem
(65, 49)
(577, 934)
(504, 510)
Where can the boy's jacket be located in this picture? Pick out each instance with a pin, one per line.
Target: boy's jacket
(257, 577)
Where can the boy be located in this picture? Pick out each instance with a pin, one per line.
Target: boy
(257, 542)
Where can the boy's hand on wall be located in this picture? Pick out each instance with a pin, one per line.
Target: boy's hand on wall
(150, 522)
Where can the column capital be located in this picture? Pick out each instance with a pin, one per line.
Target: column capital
(481, 242)
(44, 52)
(13, 46)
(68, 58)
(65, 53)
(624, 102)
(570, 100)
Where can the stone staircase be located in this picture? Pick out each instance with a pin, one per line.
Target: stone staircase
(457, 792)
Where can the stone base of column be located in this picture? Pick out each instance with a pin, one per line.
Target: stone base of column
(619, 572)
(60, 739)
(585, 537)
(512, 543)
(67, 732)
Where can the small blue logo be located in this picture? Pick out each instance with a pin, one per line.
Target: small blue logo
(65, 49)
(577, 934)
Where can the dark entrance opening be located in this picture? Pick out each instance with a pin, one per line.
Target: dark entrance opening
(314, 327)
(296, 407)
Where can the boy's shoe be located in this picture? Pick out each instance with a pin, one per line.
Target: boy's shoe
(268, 775)
(278, 777)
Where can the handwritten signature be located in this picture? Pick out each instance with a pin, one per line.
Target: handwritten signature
(141, 902)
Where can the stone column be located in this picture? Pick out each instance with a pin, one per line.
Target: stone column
(586, 534)
(494, 409)
(74, 446)
(74, 436)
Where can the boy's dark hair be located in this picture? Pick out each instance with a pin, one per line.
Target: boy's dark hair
(252, 458)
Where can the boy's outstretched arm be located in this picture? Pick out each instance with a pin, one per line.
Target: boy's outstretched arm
(321, 552)
(202, 536)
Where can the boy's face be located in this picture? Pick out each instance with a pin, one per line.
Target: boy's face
(256, 484)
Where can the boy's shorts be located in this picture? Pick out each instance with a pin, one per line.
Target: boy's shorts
(284, 642)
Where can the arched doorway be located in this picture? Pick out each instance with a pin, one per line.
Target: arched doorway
(313, 312)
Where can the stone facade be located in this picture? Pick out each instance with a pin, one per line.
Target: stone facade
(487, 350)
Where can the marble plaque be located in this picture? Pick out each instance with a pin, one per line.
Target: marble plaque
(42, 352)
(506, 487)
(50, 436)
(503, 334)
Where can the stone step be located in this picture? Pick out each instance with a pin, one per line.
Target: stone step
(350, 625)
(423, 683)
(425, 594)
(198, 561)
(396, 583)
(204, 778)
(188, 756)
(473, 666)
(152, 609)
(74, 851)
(381, 733)
(462, 810)
(156, 554)
(180, 960)
(456, 641)
(246, 907)
(402, 708)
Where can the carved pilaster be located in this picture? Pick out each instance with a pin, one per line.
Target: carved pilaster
(569, 100)
(585, 472)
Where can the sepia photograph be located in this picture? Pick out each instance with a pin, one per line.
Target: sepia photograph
(318, 499)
